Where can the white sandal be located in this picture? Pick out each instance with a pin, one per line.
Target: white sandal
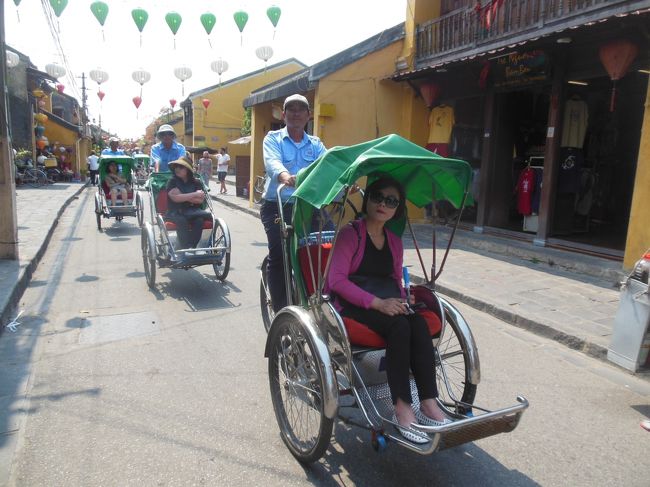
(425, 420)
(411, 435)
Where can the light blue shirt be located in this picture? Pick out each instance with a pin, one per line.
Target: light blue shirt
(108, 152)
(165, 156)
(283, 154)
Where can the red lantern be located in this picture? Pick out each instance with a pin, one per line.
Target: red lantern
(101, 95)
(60, 87)
(172, 102)
(40, 144)
(137, 101)
(430, 92)
(206, 103)
(617, 56)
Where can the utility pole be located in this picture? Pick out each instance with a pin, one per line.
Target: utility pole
(8, 219)
(84, 102)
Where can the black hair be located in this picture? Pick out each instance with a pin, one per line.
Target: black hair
(384, 182)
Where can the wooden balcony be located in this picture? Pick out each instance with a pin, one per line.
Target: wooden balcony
(470, 31)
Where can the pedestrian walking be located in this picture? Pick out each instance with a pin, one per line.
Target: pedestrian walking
(93, 167)
(222, 169)
(204, 168)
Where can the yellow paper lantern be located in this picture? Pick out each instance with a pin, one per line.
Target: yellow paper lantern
(38, 93)
(41, 117)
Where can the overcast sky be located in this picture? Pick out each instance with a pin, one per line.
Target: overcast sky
(308, 30)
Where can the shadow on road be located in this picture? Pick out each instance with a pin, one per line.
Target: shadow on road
(199, 291)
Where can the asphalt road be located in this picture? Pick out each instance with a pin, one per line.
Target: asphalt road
(106, 383)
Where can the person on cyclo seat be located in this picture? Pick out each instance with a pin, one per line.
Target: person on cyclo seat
(116, 183)
(367, 254)
(184, 199)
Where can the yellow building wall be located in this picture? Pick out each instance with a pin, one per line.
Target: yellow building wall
(222, 121)
(417, 12)
(260, 125)
(62, 136)
(366, 104)
(638, 232)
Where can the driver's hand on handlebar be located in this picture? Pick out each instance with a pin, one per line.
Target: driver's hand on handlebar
(286, 179)
(390, 306)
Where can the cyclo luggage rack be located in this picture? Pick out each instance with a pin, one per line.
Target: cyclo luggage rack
(375, 402)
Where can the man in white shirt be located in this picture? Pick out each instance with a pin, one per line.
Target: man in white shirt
(222, 169)
(93, 167)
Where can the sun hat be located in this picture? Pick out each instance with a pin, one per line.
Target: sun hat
(295, 98)
(165, 128)
(185, 162)
(113, 139)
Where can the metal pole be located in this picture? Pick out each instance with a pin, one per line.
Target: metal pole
(8, 218)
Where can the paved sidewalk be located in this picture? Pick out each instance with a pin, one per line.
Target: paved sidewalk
(38, 211)
(568, 297)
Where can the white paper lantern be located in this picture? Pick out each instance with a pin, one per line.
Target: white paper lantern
(12, 59)
(219, 66)
(141, 76)
(264, 53)
(183, 73)
(55, 70)
(99, 76)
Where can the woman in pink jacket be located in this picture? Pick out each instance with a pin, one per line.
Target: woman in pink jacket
(367, 251)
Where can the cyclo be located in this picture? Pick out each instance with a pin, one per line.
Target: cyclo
(134, 206)
(159, 240)
(142, 169)
(316, 357)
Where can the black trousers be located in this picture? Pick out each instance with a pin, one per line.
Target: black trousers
(275, 269)
(93, 176)
(189, 226)
(408, 345)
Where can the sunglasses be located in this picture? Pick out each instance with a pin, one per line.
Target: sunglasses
(390, 201)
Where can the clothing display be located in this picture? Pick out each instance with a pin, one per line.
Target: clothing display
(441, 123)
(440, 149)
(524, 189)
(574, 126)
(568, 180)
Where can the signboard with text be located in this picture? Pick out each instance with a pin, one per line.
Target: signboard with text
(521, 69)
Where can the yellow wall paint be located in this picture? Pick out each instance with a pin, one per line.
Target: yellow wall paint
(367, 105)
(260, 125)
(63, 136)
(222, 121)
(638, 233)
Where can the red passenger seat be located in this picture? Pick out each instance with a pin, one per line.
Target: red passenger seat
(161, 208)
(107, 192)
(358, 333)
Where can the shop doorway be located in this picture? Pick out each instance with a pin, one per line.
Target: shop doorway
(520, 136)
(596, 173)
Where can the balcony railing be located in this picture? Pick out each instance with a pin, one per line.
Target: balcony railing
(500, 21)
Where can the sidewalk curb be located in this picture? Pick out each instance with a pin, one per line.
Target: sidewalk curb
(251, 211)
(25, 275)
(538, 328)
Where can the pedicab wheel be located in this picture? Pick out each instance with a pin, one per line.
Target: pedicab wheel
(453, 358)
(265, 298)
(99, 220)
(148, 257)
(139, 209)
(221, 241)
(296, 391)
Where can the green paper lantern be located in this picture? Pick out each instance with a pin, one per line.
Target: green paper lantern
(208, 20)
(173, 20)
(241, 18)
(273, 13)
(17, 2)
(140, 17)
(100, 11)
(58, 6)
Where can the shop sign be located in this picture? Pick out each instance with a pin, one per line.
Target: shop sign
(521, 68)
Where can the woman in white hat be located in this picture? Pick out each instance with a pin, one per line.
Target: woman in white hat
(185, 196)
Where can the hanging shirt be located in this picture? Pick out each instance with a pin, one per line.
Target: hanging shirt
(524, 189)
(441, 122)
(574, 126)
